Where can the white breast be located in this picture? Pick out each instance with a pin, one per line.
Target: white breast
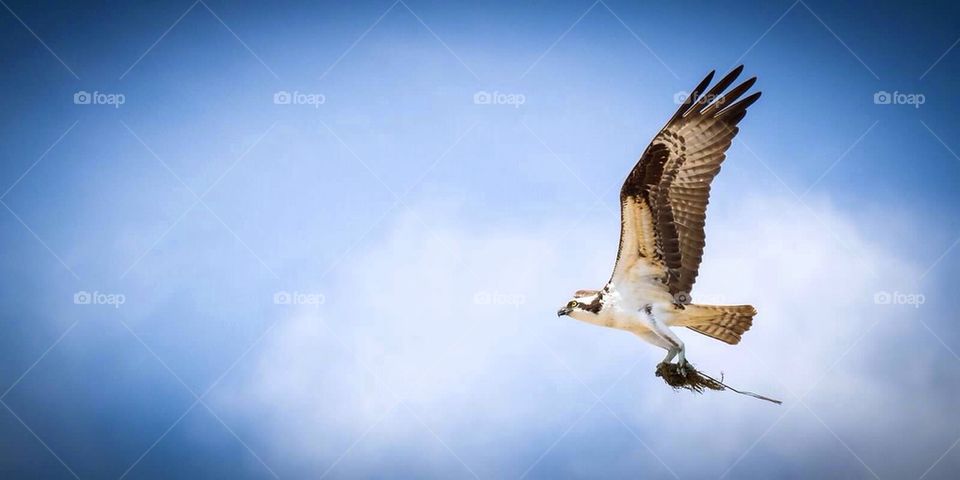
(640, 292)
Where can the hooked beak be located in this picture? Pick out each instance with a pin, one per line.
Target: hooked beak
(564, 311)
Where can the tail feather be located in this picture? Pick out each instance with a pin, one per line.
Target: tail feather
(726, 323)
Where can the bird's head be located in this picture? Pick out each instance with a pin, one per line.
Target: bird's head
(584, 306)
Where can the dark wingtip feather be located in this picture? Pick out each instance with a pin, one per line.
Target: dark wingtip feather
(694, 96)
(734, 73)
(702, 86)
(719, 87)
(729, 97)
(742, 105)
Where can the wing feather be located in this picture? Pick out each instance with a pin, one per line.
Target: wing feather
(664, 198)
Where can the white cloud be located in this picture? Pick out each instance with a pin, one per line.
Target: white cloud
(497, 381)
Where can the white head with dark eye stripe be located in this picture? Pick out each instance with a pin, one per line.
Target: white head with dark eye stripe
(584, 306)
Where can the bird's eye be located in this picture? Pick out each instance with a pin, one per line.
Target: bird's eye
(573, 303)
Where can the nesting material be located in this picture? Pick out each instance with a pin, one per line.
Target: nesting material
(689, 378)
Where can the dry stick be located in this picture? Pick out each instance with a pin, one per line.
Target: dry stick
(741, 392)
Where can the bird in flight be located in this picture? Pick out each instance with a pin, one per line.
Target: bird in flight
(663, 205)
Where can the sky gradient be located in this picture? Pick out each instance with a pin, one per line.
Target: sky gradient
(305, 240)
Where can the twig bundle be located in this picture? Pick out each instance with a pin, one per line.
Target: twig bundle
(690, 378)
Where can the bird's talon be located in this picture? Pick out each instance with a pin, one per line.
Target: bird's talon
(682, 363)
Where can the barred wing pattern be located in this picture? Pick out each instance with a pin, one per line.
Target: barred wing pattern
(664, 198)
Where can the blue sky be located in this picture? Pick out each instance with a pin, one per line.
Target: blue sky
(425, 240)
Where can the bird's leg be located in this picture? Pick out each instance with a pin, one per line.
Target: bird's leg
(658, 333)
(671, 353)
(680, 352)
(651, 337)
(677, 349)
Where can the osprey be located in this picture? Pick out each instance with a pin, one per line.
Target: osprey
(663, 205)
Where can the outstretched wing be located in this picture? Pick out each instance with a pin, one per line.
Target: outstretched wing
(663, 202)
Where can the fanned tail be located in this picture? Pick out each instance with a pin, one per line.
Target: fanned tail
(726, 323)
